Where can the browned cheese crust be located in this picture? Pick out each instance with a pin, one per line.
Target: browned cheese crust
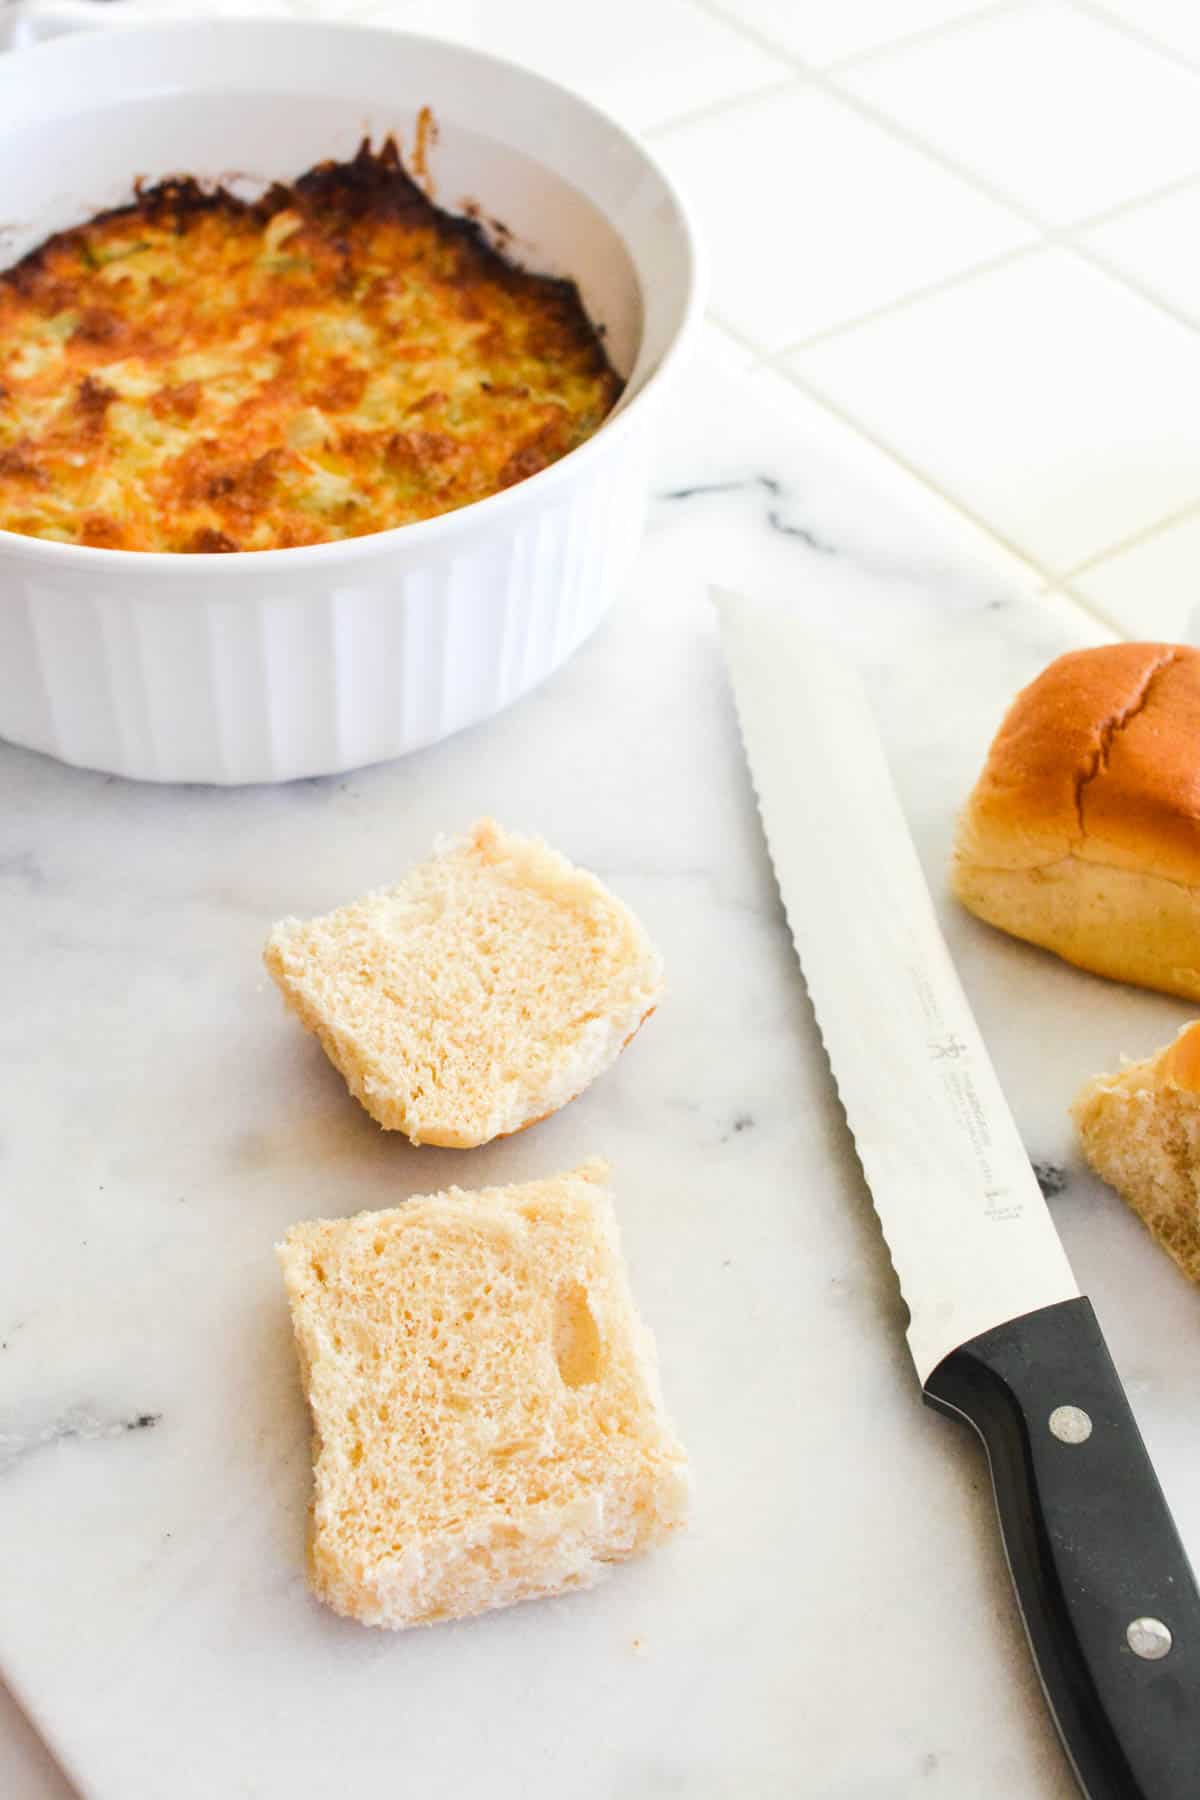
(197, 373)
(1083, 831)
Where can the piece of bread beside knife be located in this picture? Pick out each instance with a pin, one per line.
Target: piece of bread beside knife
(1082, 835)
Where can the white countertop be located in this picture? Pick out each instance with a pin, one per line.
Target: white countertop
(161, 1121)
(164, 1121)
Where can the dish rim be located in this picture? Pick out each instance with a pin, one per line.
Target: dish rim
(420, 533)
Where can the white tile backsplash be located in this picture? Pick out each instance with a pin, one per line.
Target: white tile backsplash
(815, 215)
(646, 61)
(1157, 246)
(823, 31)
(1175, 24)
(1052, 403)
(1152, 589)
(1057, 110)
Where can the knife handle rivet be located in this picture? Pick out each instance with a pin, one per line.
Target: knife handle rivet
(1071, 1425)
(1148, 1638)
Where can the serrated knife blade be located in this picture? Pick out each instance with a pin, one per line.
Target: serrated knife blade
(970, 1235)
(999, 1332)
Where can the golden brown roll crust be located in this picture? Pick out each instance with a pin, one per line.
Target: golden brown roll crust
(1179, 1063)
(1083, 830)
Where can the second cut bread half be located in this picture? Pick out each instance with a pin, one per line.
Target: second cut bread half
(1083, 831)
(488, 1422)
(484, 991)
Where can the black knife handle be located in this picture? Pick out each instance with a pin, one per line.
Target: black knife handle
(1092, 1548)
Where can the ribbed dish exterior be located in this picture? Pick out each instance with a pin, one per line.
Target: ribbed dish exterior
(273, 678)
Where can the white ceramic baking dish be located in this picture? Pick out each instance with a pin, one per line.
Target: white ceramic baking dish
(269, 665)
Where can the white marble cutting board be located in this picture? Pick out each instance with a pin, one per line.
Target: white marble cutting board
(837, 1622)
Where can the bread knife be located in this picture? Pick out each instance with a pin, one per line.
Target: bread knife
(999, 1332)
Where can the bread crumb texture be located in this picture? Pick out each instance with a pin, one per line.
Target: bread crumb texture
(488, 1423)
(1083, 831)
(1140, 1131)
(485, 991)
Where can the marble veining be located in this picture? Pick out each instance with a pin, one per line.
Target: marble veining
(1051, 1177)
(773, 513)
(162, 1122)
(78, 1422)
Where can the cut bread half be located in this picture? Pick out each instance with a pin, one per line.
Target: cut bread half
(488, 1425)
(1140, 1131)
(482, 993)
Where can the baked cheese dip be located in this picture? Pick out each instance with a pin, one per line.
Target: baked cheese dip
(195, 372)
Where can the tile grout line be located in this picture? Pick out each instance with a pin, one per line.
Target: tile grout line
(925, 34)
(1065, 240)
(830, 87)
(989, 266)
(716, 11)
(1100, 15)
(1107, 214)
(1132, 282)
(1049, 240)
(1180, 516)
(1095, 10)
(984, 9)
(1049, 232)
(1059, 582)
(1047, 578)
(761, 357)
(1066, 592)
(812, 392)
(714, 109)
